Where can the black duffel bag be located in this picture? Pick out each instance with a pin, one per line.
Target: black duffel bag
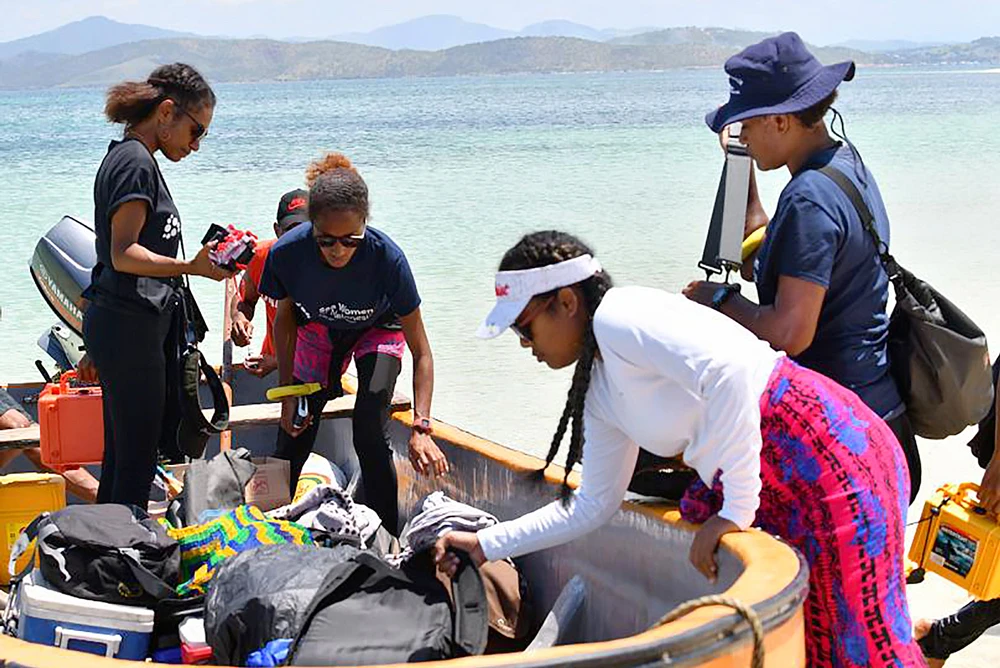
(367, 612)
(105, 552)
(263, 594)
(938, 355)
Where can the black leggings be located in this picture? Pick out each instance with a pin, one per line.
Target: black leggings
(134, 354)
(376, 383)
(907, 439)
(953, 633)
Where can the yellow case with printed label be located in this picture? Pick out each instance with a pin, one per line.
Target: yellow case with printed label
(960, 542)
(23, 497)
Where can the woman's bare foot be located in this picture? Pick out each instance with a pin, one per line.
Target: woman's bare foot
(920, 630)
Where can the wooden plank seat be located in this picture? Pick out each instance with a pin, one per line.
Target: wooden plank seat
(251, 415)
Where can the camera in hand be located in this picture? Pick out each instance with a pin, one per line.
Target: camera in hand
(234, 249)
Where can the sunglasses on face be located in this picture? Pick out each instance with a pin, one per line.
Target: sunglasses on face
(347, 241)
(199, 131)
(522, 326)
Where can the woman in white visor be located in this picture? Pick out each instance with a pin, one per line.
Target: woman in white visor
(774, 445)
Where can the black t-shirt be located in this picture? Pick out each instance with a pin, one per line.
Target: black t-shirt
(130, 173)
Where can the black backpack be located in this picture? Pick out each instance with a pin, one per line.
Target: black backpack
(984, 442)
(367, 612)
(105, 552)
(937, 354)
(262, 595)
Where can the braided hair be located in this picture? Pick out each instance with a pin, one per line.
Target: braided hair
(132, 102)
(541, 249)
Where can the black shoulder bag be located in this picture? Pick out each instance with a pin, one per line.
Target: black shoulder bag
(194, 429)
(937, 354)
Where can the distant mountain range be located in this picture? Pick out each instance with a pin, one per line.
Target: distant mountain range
(885, 45)
(434, 33)
(64, 58)
(427, 33)
(91, 34)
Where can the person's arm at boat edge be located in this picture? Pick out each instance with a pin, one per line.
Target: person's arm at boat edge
(733, 447)
(425, 455)
(609, 459)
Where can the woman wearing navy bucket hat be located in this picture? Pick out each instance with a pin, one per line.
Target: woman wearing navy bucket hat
(783, 448)
(822, 287)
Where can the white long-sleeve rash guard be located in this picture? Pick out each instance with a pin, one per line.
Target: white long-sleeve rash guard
(676, 378)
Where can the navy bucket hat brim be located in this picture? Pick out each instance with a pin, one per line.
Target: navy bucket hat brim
(776, 76)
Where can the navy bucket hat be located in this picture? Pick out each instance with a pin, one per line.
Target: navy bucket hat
(776, 76)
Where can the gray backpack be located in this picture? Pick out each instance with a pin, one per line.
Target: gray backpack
(937, 354)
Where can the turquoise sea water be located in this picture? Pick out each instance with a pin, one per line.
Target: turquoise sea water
(460, 168)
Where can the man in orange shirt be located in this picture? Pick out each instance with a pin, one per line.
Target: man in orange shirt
(292, 210)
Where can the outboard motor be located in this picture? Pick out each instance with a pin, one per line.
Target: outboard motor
(61, 267)
(63, 345)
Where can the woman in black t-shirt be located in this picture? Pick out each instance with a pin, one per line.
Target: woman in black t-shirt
(130, 329)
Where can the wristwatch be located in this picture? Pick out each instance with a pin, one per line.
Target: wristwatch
(422, 425)
(723, 293)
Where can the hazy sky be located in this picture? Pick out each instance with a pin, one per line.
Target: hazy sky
(819, 21)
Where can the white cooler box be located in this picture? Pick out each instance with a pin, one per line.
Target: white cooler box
(48, 617)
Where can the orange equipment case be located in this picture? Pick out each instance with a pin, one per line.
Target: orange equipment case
(71, 422)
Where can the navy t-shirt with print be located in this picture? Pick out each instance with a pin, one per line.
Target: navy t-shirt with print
(129, 173)
(816, 235)
(374, 288)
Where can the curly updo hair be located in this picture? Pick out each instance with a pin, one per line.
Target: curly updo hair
(541, 249)
(335, 185)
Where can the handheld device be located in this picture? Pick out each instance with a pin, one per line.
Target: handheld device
(234, 249)
(723, 245)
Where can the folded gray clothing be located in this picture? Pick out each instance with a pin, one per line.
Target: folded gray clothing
(330, 509)
(438, 515)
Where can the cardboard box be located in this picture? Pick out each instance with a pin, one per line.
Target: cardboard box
(267, 489)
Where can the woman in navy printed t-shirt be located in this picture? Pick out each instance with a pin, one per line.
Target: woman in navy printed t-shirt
(345, 289)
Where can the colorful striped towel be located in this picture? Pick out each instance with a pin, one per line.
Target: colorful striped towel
(205, 546)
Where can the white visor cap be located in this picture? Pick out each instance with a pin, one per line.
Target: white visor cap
(514, 289)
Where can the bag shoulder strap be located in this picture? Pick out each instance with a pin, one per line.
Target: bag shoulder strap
(471, 615)
(149, 582)
(867, 218)
(20, 547)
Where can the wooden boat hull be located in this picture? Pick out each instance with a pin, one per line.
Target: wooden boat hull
(635, 567)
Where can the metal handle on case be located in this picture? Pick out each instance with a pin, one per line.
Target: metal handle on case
(64, 380)
(111, 643)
